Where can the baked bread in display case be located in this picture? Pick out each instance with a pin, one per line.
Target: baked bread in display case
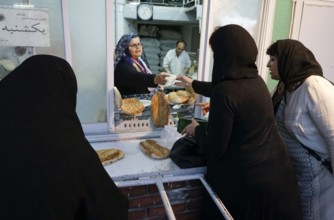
(132, 106)
(159, 110)
(187, 96)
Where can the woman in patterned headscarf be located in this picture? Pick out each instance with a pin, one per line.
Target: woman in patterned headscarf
(132, 75)
(304, 108)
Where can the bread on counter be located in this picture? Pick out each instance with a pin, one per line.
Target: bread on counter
(108, 156)
(154, 150)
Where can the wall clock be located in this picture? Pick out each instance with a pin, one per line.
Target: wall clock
(145, 12)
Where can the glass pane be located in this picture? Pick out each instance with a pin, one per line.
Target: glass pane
(88, 48)
(57, 42)
(160, 24)
(244, 13)
(26, 29)
(88, 45)
(223, 12)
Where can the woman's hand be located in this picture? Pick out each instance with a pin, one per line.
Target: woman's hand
(205, 107)
(161, 78)
(185, 81)
(189, 130)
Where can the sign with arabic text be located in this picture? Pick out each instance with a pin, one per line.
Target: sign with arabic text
(24, 27)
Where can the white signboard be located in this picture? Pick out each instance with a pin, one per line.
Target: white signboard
(24, 27)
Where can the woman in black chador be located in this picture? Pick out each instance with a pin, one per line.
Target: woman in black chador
(48, 170)
(247, 164)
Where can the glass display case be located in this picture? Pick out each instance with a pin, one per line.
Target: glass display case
(143, 121)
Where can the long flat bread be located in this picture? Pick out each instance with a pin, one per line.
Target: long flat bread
(152, 149)
(108, 156)
(159, 110)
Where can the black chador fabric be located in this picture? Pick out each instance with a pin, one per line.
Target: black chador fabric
(186, 153)
(247, 165)
(48, 170)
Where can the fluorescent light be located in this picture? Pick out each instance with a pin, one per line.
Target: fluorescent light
(23, 6)
(134, 2)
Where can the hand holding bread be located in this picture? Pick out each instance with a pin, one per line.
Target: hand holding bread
(184, 81)
(161, 78)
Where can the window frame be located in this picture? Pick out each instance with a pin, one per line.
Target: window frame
(106, 130)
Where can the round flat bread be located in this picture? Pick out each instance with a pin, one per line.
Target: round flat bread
(193, 95)
(108, 156)
(132, 106)
(178, 97)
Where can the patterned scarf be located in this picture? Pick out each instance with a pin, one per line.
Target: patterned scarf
(122, 53)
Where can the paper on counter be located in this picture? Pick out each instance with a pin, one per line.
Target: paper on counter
(169, 136)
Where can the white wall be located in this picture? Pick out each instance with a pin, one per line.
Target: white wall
(317, 33)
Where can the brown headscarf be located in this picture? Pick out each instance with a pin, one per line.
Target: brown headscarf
(295, 64)
(48, 169)
(234, 52)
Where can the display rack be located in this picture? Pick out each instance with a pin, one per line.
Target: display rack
(143, 121)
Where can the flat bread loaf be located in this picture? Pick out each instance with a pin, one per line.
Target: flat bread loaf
(132, 106)
(159, 110)
(108, 156)
(193, 95)
(178, 97)
(152, 149)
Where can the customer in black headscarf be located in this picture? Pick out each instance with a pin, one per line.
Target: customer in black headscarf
(304, 110)
(247, 164)
(48, 170)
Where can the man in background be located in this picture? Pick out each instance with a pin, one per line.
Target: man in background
(177, 60)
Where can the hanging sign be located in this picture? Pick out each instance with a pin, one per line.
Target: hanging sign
(24, 27)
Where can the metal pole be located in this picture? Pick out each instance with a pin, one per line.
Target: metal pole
(217, 201)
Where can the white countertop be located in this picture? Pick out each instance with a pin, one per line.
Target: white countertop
(136, 164)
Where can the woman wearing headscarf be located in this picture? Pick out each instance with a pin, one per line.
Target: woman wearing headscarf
(48, 169)
(247, 164)
(132, 75)
(304, 108)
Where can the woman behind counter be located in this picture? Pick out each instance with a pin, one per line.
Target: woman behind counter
(132, 75)
(247, 164)
(48, 169)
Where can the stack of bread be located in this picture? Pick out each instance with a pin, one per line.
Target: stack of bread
(187, 96)
(131, 106)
